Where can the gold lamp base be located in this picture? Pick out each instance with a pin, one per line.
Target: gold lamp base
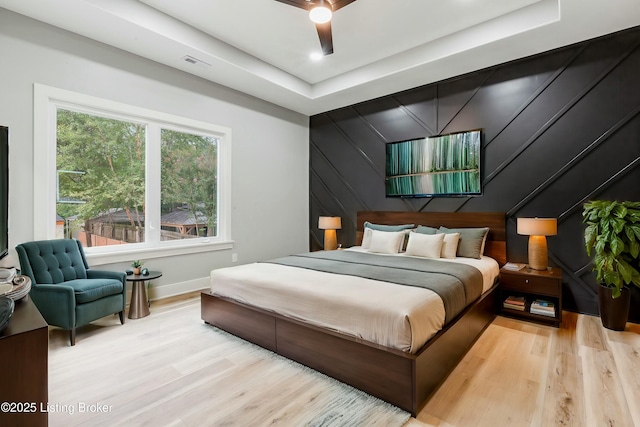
(538, 259)
(330, 240)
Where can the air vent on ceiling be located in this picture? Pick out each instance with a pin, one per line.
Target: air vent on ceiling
(195, 61)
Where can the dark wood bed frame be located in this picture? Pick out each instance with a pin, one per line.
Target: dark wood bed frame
(402, 379)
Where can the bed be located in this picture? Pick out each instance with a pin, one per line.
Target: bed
(400, 373)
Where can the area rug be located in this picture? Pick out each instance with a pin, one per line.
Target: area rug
(171, 369)
(329, 403)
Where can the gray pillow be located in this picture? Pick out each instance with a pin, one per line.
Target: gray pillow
(381, 227)
(472, 240)
(423, 229)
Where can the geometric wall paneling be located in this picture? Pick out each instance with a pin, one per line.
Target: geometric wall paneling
(559, 128)
(422, 106)
(391, 122)
(453, 99)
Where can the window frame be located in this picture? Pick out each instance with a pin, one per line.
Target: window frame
(48, 99)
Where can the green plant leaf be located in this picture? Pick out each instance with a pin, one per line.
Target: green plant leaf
(634, 249)
(609, 277)
(617, 224)
(625, 270)
(590, 237)
(609, 208)
(613, 234)
(635, 277)
(634, 215)
(615, 292)
(620, 211)
(617, 245)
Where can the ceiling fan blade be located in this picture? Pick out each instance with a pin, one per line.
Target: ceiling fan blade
(339, 4)
(324, 30)
(307, 5)
(326, 40)
(302, 4)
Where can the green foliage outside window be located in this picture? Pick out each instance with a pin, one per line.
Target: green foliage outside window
(101, 164)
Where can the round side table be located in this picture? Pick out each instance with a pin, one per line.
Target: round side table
(139, 306)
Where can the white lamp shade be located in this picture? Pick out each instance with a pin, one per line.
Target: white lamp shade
(538, 226)
(329, 223)
(320, 14)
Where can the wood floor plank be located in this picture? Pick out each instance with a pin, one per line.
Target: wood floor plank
(627, 359)
(607, 404)
(562, 402)
(172, 373)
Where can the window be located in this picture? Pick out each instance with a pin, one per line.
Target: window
(128, 179)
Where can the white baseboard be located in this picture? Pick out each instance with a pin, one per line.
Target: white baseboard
(166, 291)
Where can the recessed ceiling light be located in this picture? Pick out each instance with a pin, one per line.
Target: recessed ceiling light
(316, 56)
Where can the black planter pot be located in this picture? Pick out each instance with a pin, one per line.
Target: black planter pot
(614, 312)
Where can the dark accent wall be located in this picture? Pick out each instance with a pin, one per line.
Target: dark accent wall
(560, 128)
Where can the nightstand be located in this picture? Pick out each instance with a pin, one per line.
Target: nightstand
(532, 285)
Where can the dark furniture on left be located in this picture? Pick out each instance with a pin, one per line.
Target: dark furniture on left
(66, 291)
(402, 379)
(24, 374)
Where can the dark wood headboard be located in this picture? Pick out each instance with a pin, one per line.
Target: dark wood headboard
(495, 247)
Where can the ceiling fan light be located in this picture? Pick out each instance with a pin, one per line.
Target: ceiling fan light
(320, 14)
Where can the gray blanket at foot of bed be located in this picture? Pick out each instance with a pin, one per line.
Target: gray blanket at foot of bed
(457, 284)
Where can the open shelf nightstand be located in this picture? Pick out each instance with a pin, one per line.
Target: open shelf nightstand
(532, 285)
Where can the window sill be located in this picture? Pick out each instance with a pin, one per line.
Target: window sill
(146, 253)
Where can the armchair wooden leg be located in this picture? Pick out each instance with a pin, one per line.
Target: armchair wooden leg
(72, 336)
(121, 314)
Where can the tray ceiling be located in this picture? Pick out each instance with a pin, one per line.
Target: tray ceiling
(263, 47)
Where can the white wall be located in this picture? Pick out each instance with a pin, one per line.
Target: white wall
(270, 150)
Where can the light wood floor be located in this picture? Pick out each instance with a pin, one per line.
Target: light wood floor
(517, 374)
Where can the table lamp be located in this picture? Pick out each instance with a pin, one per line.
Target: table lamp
(330, 224)
(537, 229)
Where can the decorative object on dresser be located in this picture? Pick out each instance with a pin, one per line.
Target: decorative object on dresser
(613, 234)
(402, 378)
(532, 294)
(330, 224)
(20, 287)
(537, 229)
(6, 311)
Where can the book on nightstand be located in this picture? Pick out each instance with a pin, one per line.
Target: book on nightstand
(543, 307)
(514, 303)
(514, 266)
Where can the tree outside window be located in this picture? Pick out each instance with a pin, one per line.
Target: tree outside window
(101, 184)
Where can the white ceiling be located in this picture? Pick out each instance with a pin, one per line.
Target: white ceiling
(263, 47)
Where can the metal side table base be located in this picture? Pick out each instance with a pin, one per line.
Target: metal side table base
(138, 307)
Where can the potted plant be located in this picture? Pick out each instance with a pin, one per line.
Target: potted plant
(613, 234)
(137, 264)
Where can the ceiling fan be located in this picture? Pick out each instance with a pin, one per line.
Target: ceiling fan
(320, 12)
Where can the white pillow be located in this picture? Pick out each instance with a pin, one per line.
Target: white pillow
(425, 245)
(450, 245)
(386, 242)
(366, 238)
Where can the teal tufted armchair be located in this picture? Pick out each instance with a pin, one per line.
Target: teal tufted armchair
(63, 287)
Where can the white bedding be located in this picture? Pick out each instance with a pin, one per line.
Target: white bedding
(396, 316)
